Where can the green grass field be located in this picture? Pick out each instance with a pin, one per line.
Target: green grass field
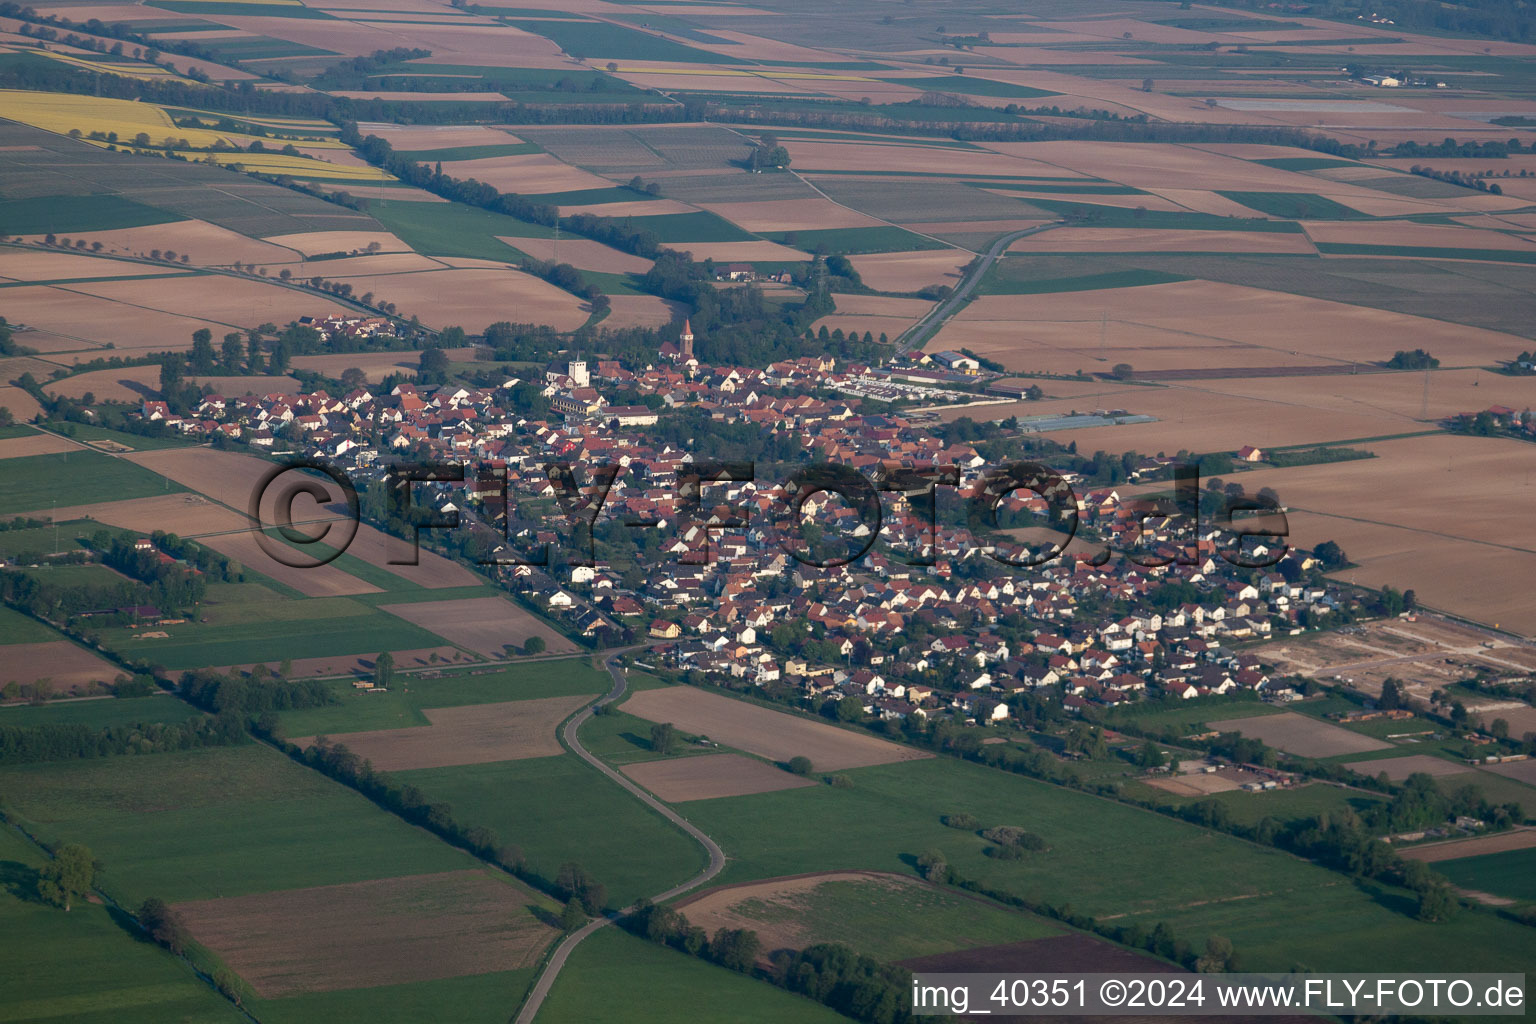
(16, 628)
(452, 229)
(615, 976)
(702, 226)
(45, 540)
(968, 86)
(251, 629)
(894, 922)
(85, 966)
(1483, 255)
(1203, 882)
(468, 153)
(34, 482)
(606, 41)
(855, 240)
(1281, 804)
(1186, 716)
(1004, 278)
(1305, 163)
(560, 809)
(98, 714)
(78, 213)
(620, 738)
(223, 821)
(401, 705)
(474, 999)
(1294, 205)
(1511, 874)
(138, 442)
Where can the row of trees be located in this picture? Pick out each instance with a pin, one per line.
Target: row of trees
(25, 744)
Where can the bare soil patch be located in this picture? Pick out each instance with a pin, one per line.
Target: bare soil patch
(641, 311)
(1399, 768)
(1455, 849)
(719, 908)
(22, 405)
(792, 215)
(1520, 771)
(1298, 734)
(526, 173)
(60, 663)
(676, 780)
(474, 734)
(484, 624)
(582, 253)
(1160, 240)
(45, 265)
(317, 581)
(476, 296)
(762, 731)
(187, 515)
(206, 245)
(387, 931)
(909, 271)
(313, 243)
(431, 570)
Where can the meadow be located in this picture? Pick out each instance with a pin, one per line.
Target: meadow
(475, 998)
(46, 214)
(1511, 874)
(88, 965)
(224, 821)
(438, 229)
(34, 482)
(559, 809)
(400, 706)
(16, 628)
(99, 714)
(1277, 909)
(615, 976)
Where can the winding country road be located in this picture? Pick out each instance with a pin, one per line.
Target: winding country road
(920, 332)
(541, 987)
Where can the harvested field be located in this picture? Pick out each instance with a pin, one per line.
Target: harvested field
(18, 265)
(424, 137)
(1520, 771)
(472, 734)
(767, 733)
(59, 663)
(1298, 734)
(431, 570)
(477, 297)
(1455, 849)
(136, 383)
(484, 624)
(1399, 768)
(1409, 234)
(188, 515)
(641, 311)
(525, 173)
(680, 779)
(226, 477)
(811, 155)
(387, 931)
(1148, 325)
(1161, 240)
(640, 208)
(35, 444)
(314, 243)
(375, 365)
(583, 254)
(318, 581)
(353, 266)
(21, 404)
(225, 300)
(909, 271)
(791, 215)
(130, 329)
(206, 245)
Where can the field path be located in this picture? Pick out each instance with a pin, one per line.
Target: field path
(916, 335)
(546, 979)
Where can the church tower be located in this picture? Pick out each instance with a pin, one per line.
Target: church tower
(686, 340)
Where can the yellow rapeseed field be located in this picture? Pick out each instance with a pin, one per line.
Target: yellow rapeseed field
(298, 166)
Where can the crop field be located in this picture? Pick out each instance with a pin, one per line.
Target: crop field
(472, 734)
(886, 916)
(84, 965)
(98, 714)
(1511, 874)
(560, 809)
(1399, 768)
(910, 271)
(758, 730)
(72, 478)
(180, 512)
(487, 625)
(1276, 909)
(217, 823)
(16, 628)
(37, 444)
(703, 778)
(380, 932)
(1298, 734)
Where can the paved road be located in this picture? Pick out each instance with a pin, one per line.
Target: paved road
(541, 987)
(919, 332)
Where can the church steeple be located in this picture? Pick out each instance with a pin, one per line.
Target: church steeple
(686, 338)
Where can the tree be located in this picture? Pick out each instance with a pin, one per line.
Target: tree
(68, 876)
(163, 925)
(1331, 555)
(663, 737)
(533, 645)
(231, 352)
(353, 378)
(1218, 956)
(933, 867)
(1151, 755)
(434, 364)
(384, 669)
(1391, 695)
(1122, 371)
(573, 916)
(202, 351)
(1436, 903)
(800, 765)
